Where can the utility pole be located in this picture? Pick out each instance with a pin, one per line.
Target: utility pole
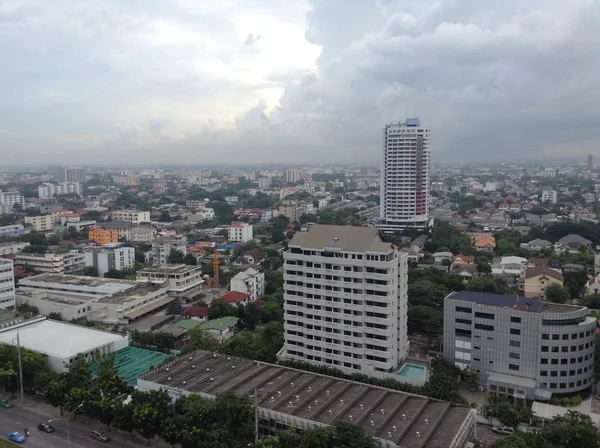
(20, 367)
(255, 413)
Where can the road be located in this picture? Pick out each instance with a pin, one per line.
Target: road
(17, 419)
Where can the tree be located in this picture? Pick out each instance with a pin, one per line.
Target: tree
(556, 293)
(55, 316)
(90, 271)
(190, 260)
(176, 257)
(151, 410)
(198, 338)
(488, 284)
(425, 318)
(218, 309)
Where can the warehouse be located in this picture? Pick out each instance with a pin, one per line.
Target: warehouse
(62, 342)
(289, 397)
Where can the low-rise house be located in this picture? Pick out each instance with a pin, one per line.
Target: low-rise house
(236, 298)
(593, 285)
(222, 328)
(439, 257)
(463, 259)
(254, 256)
(510, 265)
(418, 243)
(537, 244)
(466, 272)
(572, 243)
(199, 313)
(538, 278)
(485, 242)
(124, 229)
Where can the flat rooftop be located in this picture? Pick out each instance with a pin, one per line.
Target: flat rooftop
(517, 302)
(410, 421)
(57, 338)
(137, 291)
(171, 269)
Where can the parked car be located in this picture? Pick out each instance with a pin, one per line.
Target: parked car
(16, 437)
(46, 427)
(506, 430)
(5, 404)
(101, 437)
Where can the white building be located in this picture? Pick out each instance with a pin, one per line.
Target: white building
(549, 196)
(99, 299)
(11, 198)
(194, 203)
(7, 284)
(293, 176)
(49, 190)
(184, 282)
(309, 186)
(162, 247)
(75, 175)
(265, 182)
(6, 209)
(12, 247)
(72, 261)
(405, 166)
(251, 281)
(345, 299)
(143, 233)
(12, 230)
(110, 257)
(132, 216)
(42, 223)
(60, 341)
(239, 232)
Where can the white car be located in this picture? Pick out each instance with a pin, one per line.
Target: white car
(506, 430)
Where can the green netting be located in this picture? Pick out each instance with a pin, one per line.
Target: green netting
(133, 361)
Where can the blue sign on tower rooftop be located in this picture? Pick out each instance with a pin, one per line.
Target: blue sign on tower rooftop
(413, 122)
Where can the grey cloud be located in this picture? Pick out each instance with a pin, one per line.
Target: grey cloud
(252, 39)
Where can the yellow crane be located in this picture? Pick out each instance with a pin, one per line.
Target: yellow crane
(215, 264)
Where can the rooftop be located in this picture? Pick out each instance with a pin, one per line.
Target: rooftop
(57, 338)
(234, 296)
(542, 269)
(77, 283)
(220, 324)
(411, 421)
(171, 269)
(517, 302)
(347, 238)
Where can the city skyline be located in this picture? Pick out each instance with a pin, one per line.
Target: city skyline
(263, 80)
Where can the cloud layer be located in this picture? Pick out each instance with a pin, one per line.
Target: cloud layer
(285, 81)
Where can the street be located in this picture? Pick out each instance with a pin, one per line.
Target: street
(17, 419)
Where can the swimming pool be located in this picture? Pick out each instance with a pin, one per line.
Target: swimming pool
(412, 371)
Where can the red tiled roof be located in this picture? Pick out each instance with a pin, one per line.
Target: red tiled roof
(259, 302)
(196, 311)
(234, 297)
(543, 270)
(466, 258)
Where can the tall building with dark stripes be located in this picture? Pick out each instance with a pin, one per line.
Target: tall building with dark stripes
(405, 167)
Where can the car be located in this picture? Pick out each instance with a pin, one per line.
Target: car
(100, 436)
(46, 427)
(16, 437)
(506, 430)
(5, 404)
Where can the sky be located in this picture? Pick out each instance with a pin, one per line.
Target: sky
(295, 81)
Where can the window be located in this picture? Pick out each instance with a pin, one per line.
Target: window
(565, 337)
(484, 315)
(461, 332)
(545, 336)
(554, 349)
(545, 348)
(462, 309)
(515, 331)
(515, 343)
(513, 367)
(543, 373)
(554, 362)
(515, 320)
(514, 355)
(555, 337)
(544, 361)
(463, 321)
(553, 373)
(484, 327)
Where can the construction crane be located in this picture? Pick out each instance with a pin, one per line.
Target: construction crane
(215, 264)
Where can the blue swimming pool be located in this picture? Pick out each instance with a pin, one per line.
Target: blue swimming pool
(412, 371)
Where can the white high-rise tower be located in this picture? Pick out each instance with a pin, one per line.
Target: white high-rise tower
(405, 166)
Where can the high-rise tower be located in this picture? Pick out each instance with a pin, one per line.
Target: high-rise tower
(405, 166)
(590, 162)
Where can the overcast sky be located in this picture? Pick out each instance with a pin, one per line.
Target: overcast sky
(257, 81)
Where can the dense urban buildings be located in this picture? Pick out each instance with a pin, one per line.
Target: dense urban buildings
(345, 299)
(405, 176)
(520, 347)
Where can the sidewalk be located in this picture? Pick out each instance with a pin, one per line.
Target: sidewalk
(38, 405)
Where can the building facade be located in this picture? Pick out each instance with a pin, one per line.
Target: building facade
(520, 347)
(162, 247)
(11, 198)
(75, 175)
(43, 223)
(103, 236)
(405, 167)
(345, 299)
(293, 176)
(143, 233)
(12, 230)
(49, 190)
(550, 196)
(105, 258)
(239, 232)
(184, 282)
(538, 278)
(251, 282)
(132, 216)
(292, 209)
(7, 284)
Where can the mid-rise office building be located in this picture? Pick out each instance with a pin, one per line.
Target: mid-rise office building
(550, 196)
(42, 223)
(72, 261)
(345, 299)
(405, 166)
(132, 216)
(184, 282)
(105, 258)
(293, 176)
(7, 284)
(103, 236)
(520, 347)
(75, 175)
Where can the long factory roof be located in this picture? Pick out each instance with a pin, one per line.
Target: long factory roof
(410, 421)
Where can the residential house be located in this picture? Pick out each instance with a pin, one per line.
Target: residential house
(236, 298)
(124, 229)
(465, 271)
(254, 256)
(463, 259)
(538, 278)
(572, 243)
(418, 243)
(485, 242)
(222, 328)
(593, 285)
(510, 265)
(537, 244)
(439, 257)
(199, 313)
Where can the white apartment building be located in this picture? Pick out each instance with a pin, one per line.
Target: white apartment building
(185, 282)
(75, 175)
(309, 186)
(194, 203)
(49, 190)
(6, 209)
(72, 261)
(239, 232)
(143, 233)
(11, 198)
(7, 284)
(42, 223)
(251, 282)
(162, 247)
(345, 299)
(110, 257)
(132, 216)
(405, 166)
(12, 247)
(549, 196)
(264, 182)
(292, 176)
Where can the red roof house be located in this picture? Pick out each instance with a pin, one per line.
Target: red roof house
(236, 297)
